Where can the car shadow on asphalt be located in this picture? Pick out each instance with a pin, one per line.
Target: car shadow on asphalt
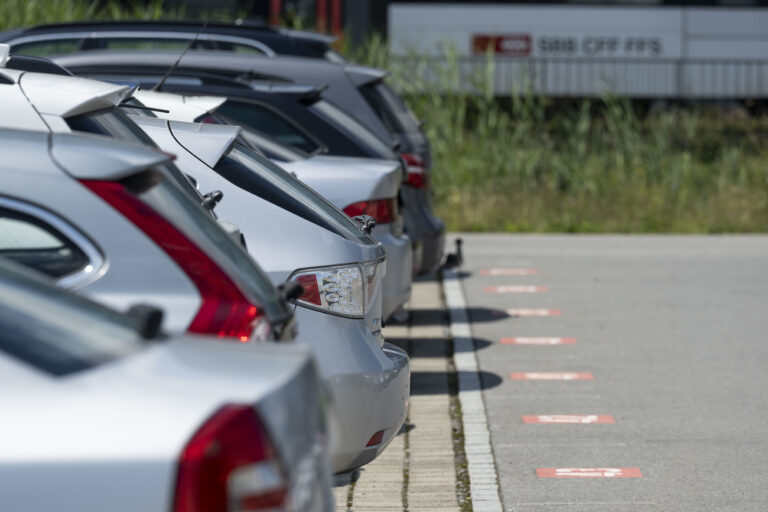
(434, 383)
(439, 316)
(432, 347)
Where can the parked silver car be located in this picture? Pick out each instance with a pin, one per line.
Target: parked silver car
(358, 186)
(340, 267)
(101, 411)
(345, 330)
(359, 91)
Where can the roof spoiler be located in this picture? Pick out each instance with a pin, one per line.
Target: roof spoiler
(308, 93)
(68, 96)
(363, 75)
(303, 34)
(96, 157)
(208, 142)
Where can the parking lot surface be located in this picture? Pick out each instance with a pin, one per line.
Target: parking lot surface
(661, 341)
(643, 386)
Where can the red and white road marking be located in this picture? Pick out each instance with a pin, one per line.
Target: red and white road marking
(580, 419)
(508, 272)
(537, 341)
(516, 288)
(552, 376)
(533, 312)
(589, 473)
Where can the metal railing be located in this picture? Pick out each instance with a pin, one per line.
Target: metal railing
(578, 77)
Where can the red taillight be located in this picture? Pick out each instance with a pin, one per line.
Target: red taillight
(383, 211)
(229, 465)
(224, 312)
(311, 289)
(417, 172)
(208, 119)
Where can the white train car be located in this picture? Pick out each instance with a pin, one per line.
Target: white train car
(687, 52)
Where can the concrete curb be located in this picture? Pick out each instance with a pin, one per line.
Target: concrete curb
(483, 477)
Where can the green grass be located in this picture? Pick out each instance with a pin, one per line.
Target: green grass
(528, 164)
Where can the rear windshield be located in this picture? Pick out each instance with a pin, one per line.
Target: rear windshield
(266, 120)
(48, 47)
(58, 332)
(192, 220)
(353, 129)
(393, 112)
(259, 176)
(271, 148)
(113, 122)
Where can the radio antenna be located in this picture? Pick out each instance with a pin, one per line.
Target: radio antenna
(167, 75)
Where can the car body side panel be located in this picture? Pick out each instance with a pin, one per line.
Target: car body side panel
(146, 274)
(164, 394)
(346, 180)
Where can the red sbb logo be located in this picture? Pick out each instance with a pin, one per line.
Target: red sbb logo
(513, 45)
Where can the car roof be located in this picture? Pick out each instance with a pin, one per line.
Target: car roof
(342, 80)
(162, 25)
(193, 66)
(234, 63)
(282, 41)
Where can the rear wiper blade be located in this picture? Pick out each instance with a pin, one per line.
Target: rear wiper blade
(142, 107)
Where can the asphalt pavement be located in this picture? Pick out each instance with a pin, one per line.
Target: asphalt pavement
(666, 336)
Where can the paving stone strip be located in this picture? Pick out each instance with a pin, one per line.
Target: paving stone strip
(416, 472)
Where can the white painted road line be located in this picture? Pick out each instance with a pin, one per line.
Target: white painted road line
(537, 341)
(552, 376)
(533, 312)
(515, 288)
(508, 272)
(580, 419)
(481, 466)
(589, 473)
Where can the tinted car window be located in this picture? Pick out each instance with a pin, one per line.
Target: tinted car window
(353, 129)
(270, 148)
(391, 110)
(49, 47)
(266, 120)
(148, 43)
(33, 243)
(237, 48)
(261, 177)
(73, 334)
(112, 123)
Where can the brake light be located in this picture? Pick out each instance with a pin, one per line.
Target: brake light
(208, 119)
(230, 465)
(225, 311)
(417, 175)
(383, 211)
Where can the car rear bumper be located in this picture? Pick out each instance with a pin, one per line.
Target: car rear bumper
(424, 228)
(369, 383)
(381, 400)
(396, 288)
